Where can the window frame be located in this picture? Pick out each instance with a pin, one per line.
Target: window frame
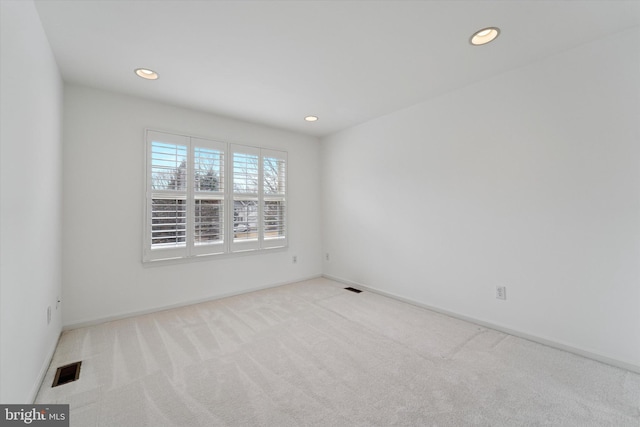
(229, 243)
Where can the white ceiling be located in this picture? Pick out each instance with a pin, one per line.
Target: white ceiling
(274, 62)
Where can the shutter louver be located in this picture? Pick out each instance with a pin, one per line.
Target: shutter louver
(168, 222)
(274, 219)
(168, 166)
(245, 173)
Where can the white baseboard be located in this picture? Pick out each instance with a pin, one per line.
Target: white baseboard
(124, 315)
(549, 343)
(43, 371)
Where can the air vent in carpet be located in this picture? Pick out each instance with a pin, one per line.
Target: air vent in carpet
(66, 374)
(357, 291)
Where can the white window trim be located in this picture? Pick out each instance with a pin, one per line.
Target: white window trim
(228, 247)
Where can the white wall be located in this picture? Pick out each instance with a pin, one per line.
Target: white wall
(31, 201)
(103, 274)
(529, 180)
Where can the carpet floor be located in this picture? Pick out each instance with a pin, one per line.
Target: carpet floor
(314, 354)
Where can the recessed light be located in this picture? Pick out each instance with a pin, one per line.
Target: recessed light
(146, 73)
(311, 118)
(484, 36)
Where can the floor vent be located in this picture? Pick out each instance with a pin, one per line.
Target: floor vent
(66, 374)
(357, 291)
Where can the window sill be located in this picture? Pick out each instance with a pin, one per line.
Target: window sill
(211, 257)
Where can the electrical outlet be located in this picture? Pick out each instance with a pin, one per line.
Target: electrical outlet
(326, 256)
(294, 259)
(501, 292)
(58, 301)
(48, 315)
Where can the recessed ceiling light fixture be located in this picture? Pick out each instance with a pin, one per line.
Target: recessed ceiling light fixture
(146, 73)
(484, 36)
(311, 118)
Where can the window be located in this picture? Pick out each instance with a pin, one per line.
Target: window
(191, 211)
(259, 198)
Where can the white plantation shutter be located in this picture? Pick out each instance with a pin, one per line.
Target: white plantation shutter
(245, 175)
(205, 197)
(208, 196)
(185, 197)
(166, 221)
(274, 198)
(259, 198)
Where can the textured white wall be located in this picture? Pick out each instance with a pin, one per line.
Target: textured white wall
(31, 201)
(529, 180)
(103, 274)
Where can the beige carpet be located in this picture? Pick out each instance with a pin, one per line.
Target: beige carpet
(315, 354)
